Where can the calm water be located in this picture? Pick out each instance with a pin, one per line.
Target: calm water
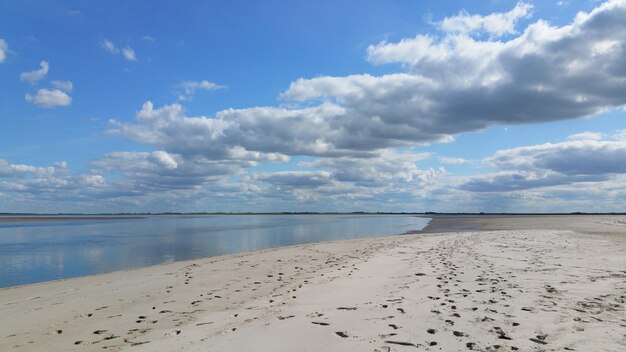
(42, 251)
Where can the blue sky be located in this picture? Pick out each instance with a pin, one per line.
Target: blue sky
(115, 106)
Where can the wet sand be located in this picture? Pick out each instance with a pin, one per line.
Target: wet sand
(510, 284)
(586, 224)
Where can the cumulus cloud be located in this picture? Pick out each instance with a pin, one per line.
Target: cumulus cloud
(164, 159)
(552, 164)
(471, 73)
(66, 86)
(496, 24)
(35, 76)
(187, 89)
(35, 184)
(296, 179)
(517, 181)
(49, 98)
(584, 157)
(259, 134)
(390, 176)
(454, 84)
(457, 83)
(389, 166)
(4, 48)
(160, 170)
(236, 140)
(12, 170)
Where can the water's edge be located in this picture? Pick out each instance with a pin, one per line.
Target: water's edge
(262, 243)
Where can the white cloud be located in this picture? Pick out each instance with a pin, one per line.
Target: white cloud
(160, 170)
(387, 166)
(456, 83)
(165, 159)
(551, 165)
(295, 179)
(496, 24)
(37, 184)
(66, 86)
(259, 134)
(49, 98)
(35, 76)
(587, 157)
(4, 48)
(129, 54)
(109, 46)
(475, 72)
(452, 161)
(453, 83)
(13, 170)
(389, 176)
(236, 140)
(517, 181)
(594, 136)
(148, 38)
(187, 89)
(620, 135)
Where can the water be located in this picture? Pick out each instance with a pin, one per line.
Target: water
(41, 251)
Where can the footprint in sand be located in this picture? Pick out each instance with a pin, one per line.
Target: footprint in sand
(341, 334)
(501, 334)
(402, 343)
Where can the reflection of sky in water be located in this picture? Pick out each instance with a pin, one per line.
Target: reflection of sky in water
(35, 252)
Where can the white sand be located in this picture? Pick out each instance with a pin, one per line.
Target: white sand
(525, 290)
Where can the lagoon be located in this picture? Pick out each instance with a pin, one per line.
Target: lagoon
(32, 252)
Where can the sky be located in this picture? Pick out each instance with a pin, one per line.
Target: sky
(293, 105)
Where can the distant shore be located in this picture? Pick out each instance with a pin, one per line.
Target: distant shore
(35, 218)
(520, 283)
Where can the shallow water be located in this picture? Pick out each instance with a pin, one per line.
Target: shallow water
(41, 251)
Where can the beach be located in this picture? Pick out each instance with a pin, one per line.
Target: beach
(492, 283)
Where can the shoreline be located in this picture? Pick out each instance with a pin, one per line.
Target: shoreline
(382, 232)
(539, 288)
(65, 218)
(201, 259)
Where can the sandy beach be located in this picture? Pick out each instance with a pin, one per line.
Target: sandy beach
(503, 284)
